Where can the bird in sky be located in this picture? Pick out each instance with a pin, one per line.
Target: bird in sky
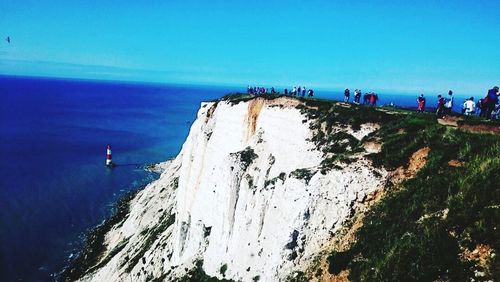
(8, 39)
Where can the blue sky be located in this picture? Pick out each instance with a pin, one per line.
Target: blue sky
(426, 46)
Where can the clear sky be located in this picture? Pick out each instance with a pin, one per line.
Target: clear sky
(428, 46)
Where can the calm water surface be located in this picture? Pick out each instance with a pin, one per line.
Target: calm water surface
(54, 186)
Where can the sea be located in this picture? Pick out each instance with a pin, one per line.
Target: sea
(54, 186)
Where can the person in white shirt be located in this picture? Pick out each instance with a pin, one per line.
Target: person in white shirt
(448, 106)
(470, 107)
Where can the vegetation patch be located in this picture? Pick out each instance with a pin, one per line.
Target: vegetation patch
(297, 276)
(331, 113)
(223, 269)
(236, 98)
(272, 181)
(197, 274)
(303, 173)
(151, 235)
(400, 240)
(175, 183)
(111, 255)
(246, 157)
(330, 122)
(250, 182)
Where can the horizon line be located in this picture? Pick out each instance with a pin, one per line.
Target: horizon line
(205, 84)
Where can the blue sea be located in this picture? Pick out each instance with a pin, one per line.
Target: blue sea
(54, 186)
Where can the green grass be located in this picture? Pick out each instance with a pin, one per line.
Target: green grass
(197, 274)
(303, 173)
(406, 236)
(175, 183)
(281, 176)
(246, 157)
(236, 98)
(326, 117)
(474, 120)
(223, 269)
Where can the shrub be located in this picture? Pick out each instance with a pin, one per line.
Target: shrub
(246, 157)
(197, 274)
(303, 173)
(223, 269)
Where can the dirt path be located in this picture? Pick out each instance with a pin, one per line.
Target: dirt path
(456, 122)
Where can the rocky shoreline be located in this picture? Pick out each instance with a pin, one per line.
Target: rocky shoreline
(94, 243)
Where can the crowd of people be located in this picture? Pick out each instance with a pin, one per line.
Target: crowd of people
(295, 91)
(369, 98)
(487, 107)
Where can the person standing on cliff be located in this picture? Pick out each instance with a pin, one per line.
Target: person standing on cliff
(449, 103)
(347, 94)
(491, 101)
(366, 98)
(373, 99)
(479, 108)
(440, 106)
(357, 96)
(303, 91)
(421, 104)
(469, 106)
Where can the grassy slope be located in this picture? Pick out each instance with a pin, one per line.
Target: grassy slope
(419, 232)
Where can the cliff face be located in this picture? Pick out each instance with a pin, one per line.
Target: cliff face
(248, 198)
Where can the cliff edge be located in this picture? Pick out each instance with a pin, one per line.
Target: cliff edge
(276, 189)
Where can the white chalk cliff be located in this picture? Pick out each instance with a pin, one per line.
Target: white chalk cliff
(245, 196)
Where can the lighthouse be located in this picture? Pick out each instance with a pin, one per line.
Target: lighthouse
(109, 162)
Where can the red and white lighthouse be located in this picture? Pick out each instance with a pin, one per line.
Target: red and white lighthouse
(109, 162)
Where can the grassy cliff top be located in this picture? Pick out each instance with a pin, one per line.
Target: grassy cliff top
(353, 111)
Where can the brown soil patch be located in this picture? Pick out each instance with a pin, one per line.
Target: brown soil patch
(345, 105)
(449, 121)
(418, 160)
(372, 147)
(284, 101)
(415, 164)
(457, 122)
(210, 112)
(481, 255)
(342, 277)
(254, 108)
(455, 163)
(480, 128)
